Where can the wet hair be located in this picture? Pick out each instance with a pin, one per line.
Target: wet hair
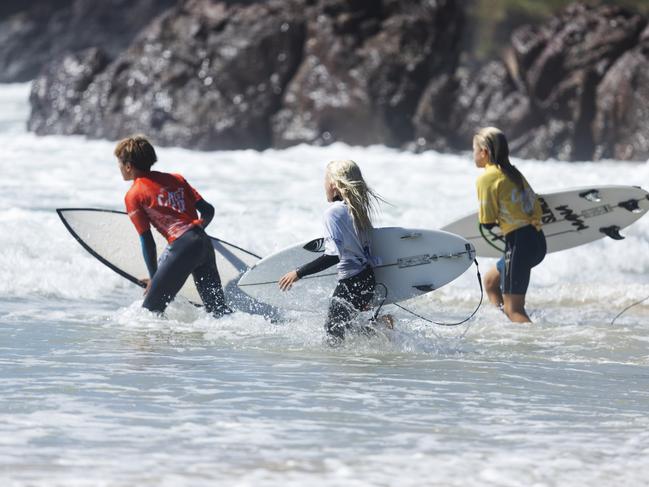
(138, 151)
(495, 143)
(361, 200)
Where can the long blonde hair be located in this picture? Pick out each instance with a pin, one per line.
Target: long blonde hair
(361, 200)
(493, 140)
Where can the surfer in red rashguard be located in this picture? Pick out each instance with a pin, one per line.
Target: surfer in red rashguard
(169, 204)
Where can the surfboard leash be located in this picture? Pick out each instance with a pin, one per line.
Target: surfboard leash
(627, 309)
(375, 315)
(428, 320)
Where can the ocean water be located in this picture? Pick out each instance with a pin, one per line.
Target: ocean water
(94, 391)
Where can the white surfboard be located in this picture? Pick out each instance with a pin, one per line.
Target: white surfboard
(413, 262)
(110, 237)
(570, 218)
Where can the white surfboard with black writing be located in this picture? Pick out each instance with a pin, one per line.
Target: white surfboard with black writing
(413, 262)
(570, 218)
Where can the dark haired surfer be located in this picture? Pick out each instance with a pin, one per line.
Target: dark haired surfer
(170, 204)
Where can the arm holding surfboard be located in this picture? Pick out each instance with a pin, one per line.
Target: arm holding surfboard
(317, 265)
(150, 255)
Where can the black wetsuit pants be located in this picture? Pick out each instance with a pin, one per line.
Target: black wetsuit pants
(351, 295)
(191, 253)
(524, 248)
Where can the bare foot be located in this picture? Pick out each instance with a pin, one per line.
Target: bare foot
(387, 321)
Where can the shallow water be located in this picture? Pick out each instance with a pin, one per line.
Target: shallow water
(96, 391)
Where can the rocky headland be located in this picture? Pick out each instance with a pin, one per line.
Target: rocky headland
(209, 75)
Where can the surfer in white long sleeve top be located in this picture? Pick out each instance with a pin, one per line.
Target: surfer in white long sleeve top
(342, 245)
(347, 227)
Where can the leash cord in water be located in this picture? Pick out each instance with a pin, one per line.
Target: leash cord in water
(378, 308)
(642, 300)
(475, 261)
(627, 309)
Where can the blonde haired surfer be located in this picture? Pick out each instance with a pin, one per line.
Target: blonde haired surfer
(347, 226)
(507, 200)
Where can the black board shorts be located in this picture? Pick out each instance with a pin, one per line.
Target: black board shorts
(525, 248)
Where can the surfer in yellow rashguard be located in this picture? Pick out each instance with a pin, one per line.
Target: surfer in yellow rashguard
(507, 200)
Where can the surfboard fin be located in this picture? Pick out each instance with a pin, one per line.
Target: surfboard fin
(425, 288)
(411, 235)
(591, 195)
(613, 231)
(630, 205)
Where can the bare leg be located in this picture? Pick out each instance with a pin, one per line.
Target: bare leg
(492, 287)
(515, 308)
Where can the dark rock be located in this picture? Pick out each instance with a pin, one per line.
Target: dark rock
(543, 94)
(365, 67)
(432, 121)
(204, 76)
(580, 46)
(34, 32)
(56, 96)
(12, 7)
(622, 121)
(212, 75)
(449, 117)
